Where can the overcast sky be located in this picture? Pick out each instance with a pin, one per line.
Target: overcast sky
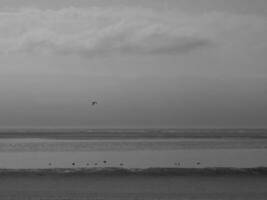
(148, 63)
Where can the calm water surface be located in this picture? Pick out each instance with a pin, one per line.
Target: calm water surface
(140, 150)
(54, 187)
(133, 153)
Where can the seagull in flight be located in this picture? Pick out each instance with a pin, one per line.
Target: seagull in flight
(93, 103)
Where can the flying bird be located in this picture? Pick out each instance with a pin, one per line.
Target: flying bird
(94, 103)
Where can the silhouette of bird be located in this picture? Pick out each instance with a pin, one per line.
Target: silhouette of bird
(93, 103)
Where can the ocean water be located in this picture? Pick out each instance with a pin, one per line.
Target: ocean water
(133, 148)
(83, 150)
(115, 187)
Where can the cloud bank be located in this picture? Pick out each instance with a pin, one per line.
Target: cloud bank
(98, 30)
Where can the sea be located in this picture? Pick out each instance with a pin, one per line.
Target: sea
(134, 164)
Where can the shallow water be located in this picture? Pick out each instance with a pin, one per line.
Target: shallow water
(136, 159)
(134, 153)
(60, 145)
(73, 151)
(52, 187)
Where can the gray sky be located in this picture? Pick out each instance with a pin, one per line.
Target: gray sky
(149, 63)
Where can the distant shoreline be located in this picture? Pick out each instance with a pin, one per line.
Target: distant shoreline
(132, 133)
(214, 171)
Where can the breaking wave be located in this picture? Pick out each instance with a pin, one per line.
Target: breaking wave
(148, 171)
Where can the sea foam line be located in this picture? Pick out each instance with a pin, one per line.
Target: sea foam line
(214, 171)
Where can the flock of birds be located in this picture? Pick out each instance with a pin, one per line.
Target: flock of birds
(88, 164)
(121, 164)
